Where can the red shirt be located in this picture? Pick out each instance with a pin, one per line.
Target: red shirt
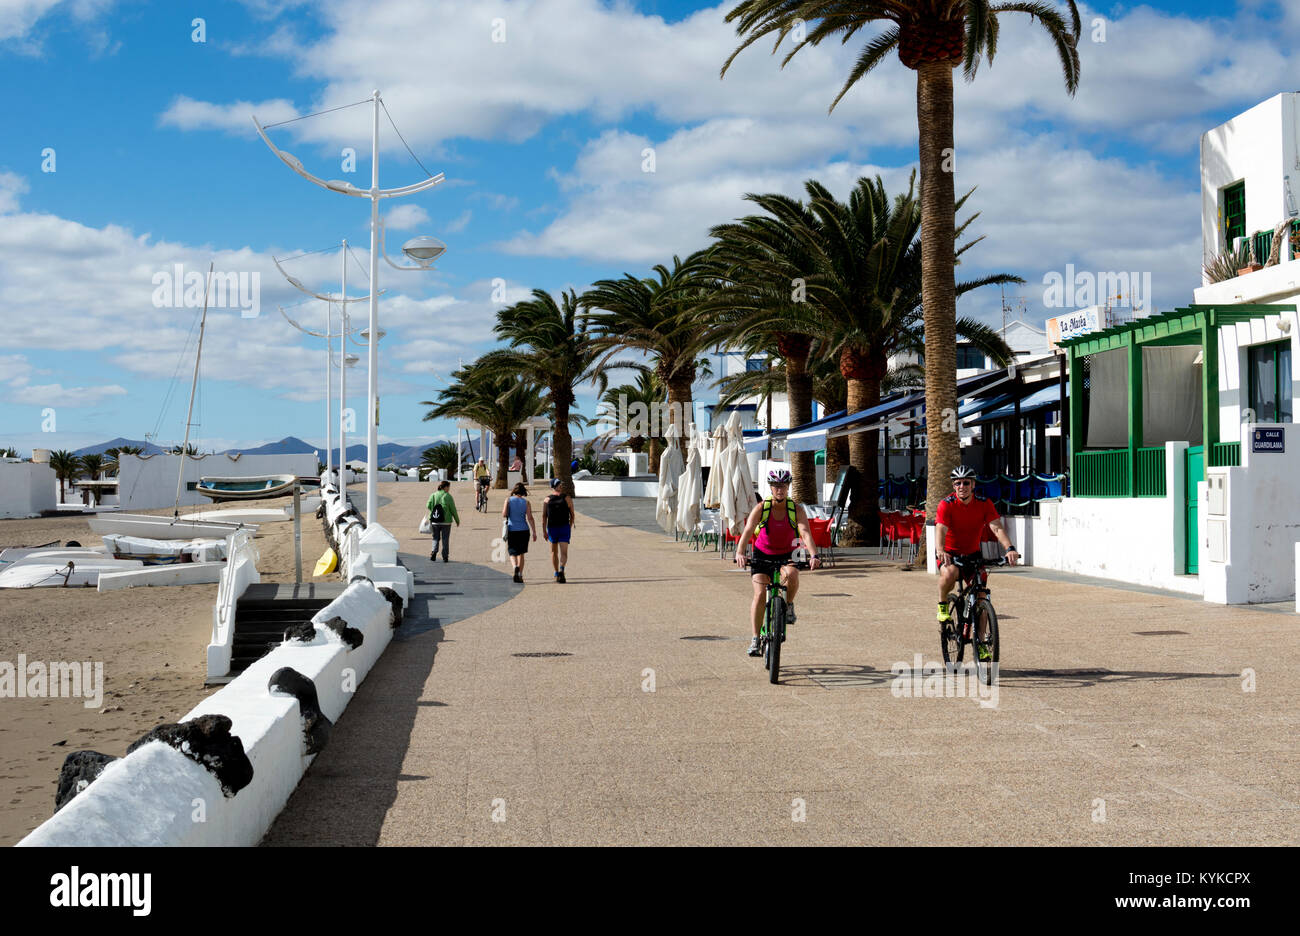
(965, 522)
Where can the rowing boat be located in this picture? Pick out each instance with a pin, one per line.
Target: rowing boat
(220, 489)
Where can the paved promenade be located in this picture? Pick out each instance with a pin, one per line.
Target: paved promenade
(1121, 717)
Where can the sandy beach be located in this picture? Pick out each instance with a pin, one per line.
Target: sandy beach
(151, 642)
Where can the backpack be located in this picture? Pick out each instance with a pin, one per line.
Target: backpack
(437, 514)
(789, 512)
(552, 508)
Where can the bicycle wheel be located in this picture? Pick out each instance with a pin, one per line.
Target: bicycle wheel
(776, 636)
(950, 634)
(986, 617)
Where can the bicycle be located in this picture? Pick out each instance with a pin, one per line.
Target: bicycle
(775, 614)
(969, 607)
(480, 502)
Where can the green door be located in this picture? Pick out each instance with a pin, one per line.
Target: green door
(1193, 473)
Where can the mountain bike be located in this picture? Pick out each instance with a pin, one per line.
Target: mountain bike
(971, 610)
(480, 502)
(775, 614)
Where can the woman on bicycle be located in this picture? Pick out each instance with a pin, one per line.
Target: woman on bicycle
(778, 521)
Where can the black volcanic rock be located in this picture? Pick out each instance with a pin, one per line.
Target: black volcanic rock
(80, 769)
(208, 742)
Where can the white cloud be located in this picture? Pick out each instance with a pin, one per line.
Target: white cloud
(405, 217)
(17, 17)
(459, 223)
(185, 113)
(12, 186)
(58, 395)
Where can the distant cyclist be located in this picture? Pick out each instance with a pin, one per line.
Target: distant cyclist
(959, 529)
(778, 521)
(482, 478)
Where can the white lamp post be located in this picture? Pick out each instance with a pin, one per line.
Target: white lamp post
(417, 249)
(328, 335)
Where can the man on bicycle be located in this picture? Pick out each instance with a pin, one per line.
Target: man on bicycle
(778, 520)
(959, 528)
(483, 478)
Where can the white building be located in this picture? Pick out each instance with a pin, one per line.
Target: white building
(753, 410)
(26, 489)
(1182, 473)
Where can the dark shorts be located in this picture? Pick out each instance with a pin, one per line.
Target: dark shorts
(558, 534)
(761, 563)
(517, 542)
(964, 561)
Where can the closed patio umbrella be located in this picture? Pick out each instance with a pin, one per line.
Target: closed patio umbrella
(670, 471)
(737, 485)
(691, 486)
(713, 491)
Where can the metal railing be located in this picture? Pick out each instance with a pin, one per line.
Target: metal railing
(1149, 479)
(1102, 473)
(1225, 455)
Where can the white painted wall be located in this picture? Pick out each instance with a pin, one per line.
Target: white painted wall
(26, 488)
(1260, 147)
(148, 483)
(1259, 527)
(1139, 540)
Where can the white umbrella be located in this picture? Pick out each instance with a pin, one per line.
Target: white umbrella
(691, 486)
(670, 470)
(713, 493)
(737, 485)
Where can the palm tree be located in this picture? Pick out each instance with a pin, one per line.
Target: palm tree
(190, 449)
(499, 402)
(931, 37)
(864, 302)
(8, 452)
(647, 392)
(660, 316)
(93, 465)
(442, 456)
(761, 262)
(550, 345)
(66, 467)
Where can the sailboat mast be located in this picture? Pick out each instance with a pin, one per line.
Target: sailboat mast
(180, 475)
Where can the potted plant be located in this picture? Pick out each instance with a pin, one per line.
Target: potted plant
(1252, 264)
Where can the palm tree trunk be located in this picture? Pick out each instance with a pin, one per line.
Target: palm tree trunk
(934, 114)
(798, 389)
(679, 398)
(656, 450)
(864, 373)
(503, 455)
(562, 440)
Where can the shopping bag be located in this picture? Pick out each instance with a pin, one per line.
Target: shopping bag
(424, 525)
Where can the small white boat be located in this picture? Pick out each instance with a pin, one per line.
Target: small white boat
(241, 515)
(148, 527)
(220, 489)
(60, 573)
(164, 552)
(14, 553)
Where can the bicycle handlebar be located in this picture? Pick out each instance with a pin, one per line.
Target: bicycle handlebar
(801, 564)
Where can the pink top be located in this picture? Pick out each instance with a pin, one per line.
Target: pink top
(778, 535)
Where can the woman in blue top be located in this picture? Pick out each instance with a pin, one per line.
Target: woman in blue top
(518, 514)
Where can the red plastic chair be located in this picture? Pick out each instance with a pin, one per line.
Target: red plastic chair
(888, 530)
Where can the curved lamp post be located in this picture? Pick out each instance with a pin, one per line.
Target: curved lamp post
(374, 193)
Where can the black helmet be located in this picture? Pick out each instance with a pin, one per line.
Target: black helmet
(961, 471)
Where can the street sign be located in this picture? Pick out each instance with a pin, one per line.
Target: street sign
(1268, 440)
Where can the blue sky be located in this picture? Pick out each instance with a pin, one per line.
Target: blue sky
(541, 137)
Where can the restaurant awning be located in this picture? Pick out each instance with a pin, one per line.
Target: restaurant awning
(1049, 395)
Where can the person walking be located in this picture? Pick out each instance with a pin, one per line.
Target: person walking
(558, 518)
(518, 514)
(442, 513)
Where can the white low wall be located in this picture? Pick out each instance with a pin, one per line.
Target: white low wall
(27, 488)
(158, 796)
(239, 573)
(588, 488)
(1249, 533)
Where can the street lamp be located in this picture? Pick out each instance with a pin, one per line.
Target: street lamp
(374, 193)
(343, 301)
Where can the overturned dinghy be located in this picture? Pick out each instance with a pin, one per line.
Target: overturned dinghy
(164, 552)
(62, 573)
(164, 528)
(222, 489)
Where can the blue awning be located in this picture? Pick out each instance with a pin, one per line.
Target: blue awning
(1048, 396)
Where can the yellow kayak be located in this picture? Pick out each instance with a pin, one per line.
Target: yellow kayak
(327, 563)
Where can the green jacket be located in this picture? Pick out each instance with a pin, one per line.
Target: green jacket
(448, 506)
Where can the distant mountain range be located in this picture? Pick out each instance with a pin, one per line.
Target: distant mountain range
(389, 452)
